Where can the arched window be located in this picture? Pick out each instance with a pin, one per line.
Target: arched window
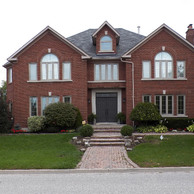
(163, 65)
(50, 67)
(106, 43)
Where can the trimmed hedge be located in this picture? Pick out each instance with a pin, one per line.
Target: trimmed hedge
(177, 123)
(127, 130)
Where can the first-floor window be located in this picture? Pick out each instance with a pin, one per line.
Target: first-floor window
(33, 106)
(181, 105)
(146, 98)
(164, 104)
(48, 100)
(67, 99)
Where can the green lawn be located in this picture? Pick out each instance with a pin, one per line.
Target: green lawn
(38, 151)
(171, 151)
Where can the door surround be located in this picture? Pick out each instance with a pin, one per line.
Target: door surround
(119, 97)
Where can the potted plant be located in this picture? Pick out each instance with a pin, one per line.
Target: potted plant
(121, 118)
(91, 118)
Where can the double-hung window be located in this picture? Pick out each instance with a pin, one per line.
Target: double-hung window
(163, 66)
(146, 98)
(32, 71)
(67, 71)
(50, 67)
(106, 44)
(106, 72)
(67, 99)
(146, 69)
(48, 100)
(181, 105)
(164, 104)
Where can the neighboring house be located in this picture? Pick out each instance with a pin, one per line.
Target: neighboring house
(105, 71)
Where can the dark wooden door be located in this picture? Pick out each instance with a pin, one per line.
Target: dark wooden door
(106, 107)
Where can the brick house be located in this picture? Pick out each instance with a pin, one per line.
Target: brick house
(103, 71)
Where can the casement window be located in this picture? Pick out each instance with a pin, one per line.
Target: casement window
(163, 66)
(180, 69)
(32, 71)
(67, 99)
(146, 69)
(164, 104)
(146, 98)
(67, 71)
(50, 67)
(181, 105)
(10, 75)
(33, 106)
(48, 100)
(106, 72)
(106, 44)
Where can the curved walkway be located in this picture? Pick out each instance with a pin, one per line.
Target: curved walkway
(106, 157)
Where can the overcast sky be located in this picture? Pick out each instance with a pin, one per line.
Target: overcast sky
(21, 20)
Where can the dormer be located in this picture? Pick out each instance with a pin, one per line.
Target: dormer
(106, 39)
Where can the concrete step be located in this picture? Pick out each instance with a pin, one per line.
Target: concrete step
(107, 130)
(107, 143)
(106, 140)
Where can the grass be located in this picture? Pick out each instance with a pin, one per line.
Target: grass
(42, 151)
(171, 151)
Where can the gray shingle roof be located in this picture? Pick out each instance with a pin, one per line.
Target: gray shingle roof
(128, 40)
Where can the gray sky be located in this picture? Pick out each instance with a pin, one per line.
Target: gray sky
(21, 20)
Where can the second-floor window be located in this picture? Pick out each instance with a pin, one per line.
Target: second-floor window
(10, 75)
(50, 67)
(163, 66)
(106, 44)
(106, 72)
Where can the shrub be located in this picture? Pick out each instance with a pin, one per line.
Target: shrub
(91, 118)
(5, 121)
(145, 113)
(36, 123)
(86, 131)
(78, 119)
(177, 123)
(127, 130)
(121, 117)
(145, 129)
(191, 128)
(61, 115)
(160, 129)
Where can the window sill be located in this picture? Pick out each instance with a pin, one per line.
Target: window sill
(175, 116)
(47, 81)
(111, 81)
(160, 79)
(106, 51)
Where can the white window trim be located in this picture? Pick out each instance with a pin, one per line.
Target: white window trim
(106, 72)
(30, 71)
(149, 69)
(165, 115)
(66, 62)
(181, 78)
(67, 97)
(183, 105)
(106, 41)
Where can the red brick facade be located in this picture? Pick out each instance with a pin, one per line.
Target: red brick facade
(83, 87)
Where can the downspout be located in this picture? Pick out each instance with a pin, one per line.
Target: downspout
(133, 84)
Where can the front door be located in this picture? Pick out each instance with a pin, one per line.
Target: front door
(106, 107)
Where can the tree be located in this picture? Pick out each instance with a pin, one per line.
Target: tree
(3, 90)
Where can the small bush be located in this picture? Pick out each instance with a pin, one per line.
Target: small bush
(61, 115)
(145, 129)
(191, 128)
(145, 113)
(127, 130)
(36, 123)
(91, 118)
(86, 131)
(121, 117)
(160, 129)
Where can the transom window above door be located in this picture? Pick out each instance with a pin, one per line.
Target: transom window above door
(50, 67)
(163, 65)
(106, 72)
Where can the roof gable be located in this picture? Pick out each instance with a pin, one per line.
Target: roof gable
(105, 24)
(153, 34)
(14, 56)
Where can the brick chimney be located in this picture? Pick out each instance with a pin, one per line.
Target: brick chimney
(190, 34)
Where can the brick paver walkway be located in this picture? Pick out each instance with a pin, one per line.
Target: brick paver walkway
(105, 157)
